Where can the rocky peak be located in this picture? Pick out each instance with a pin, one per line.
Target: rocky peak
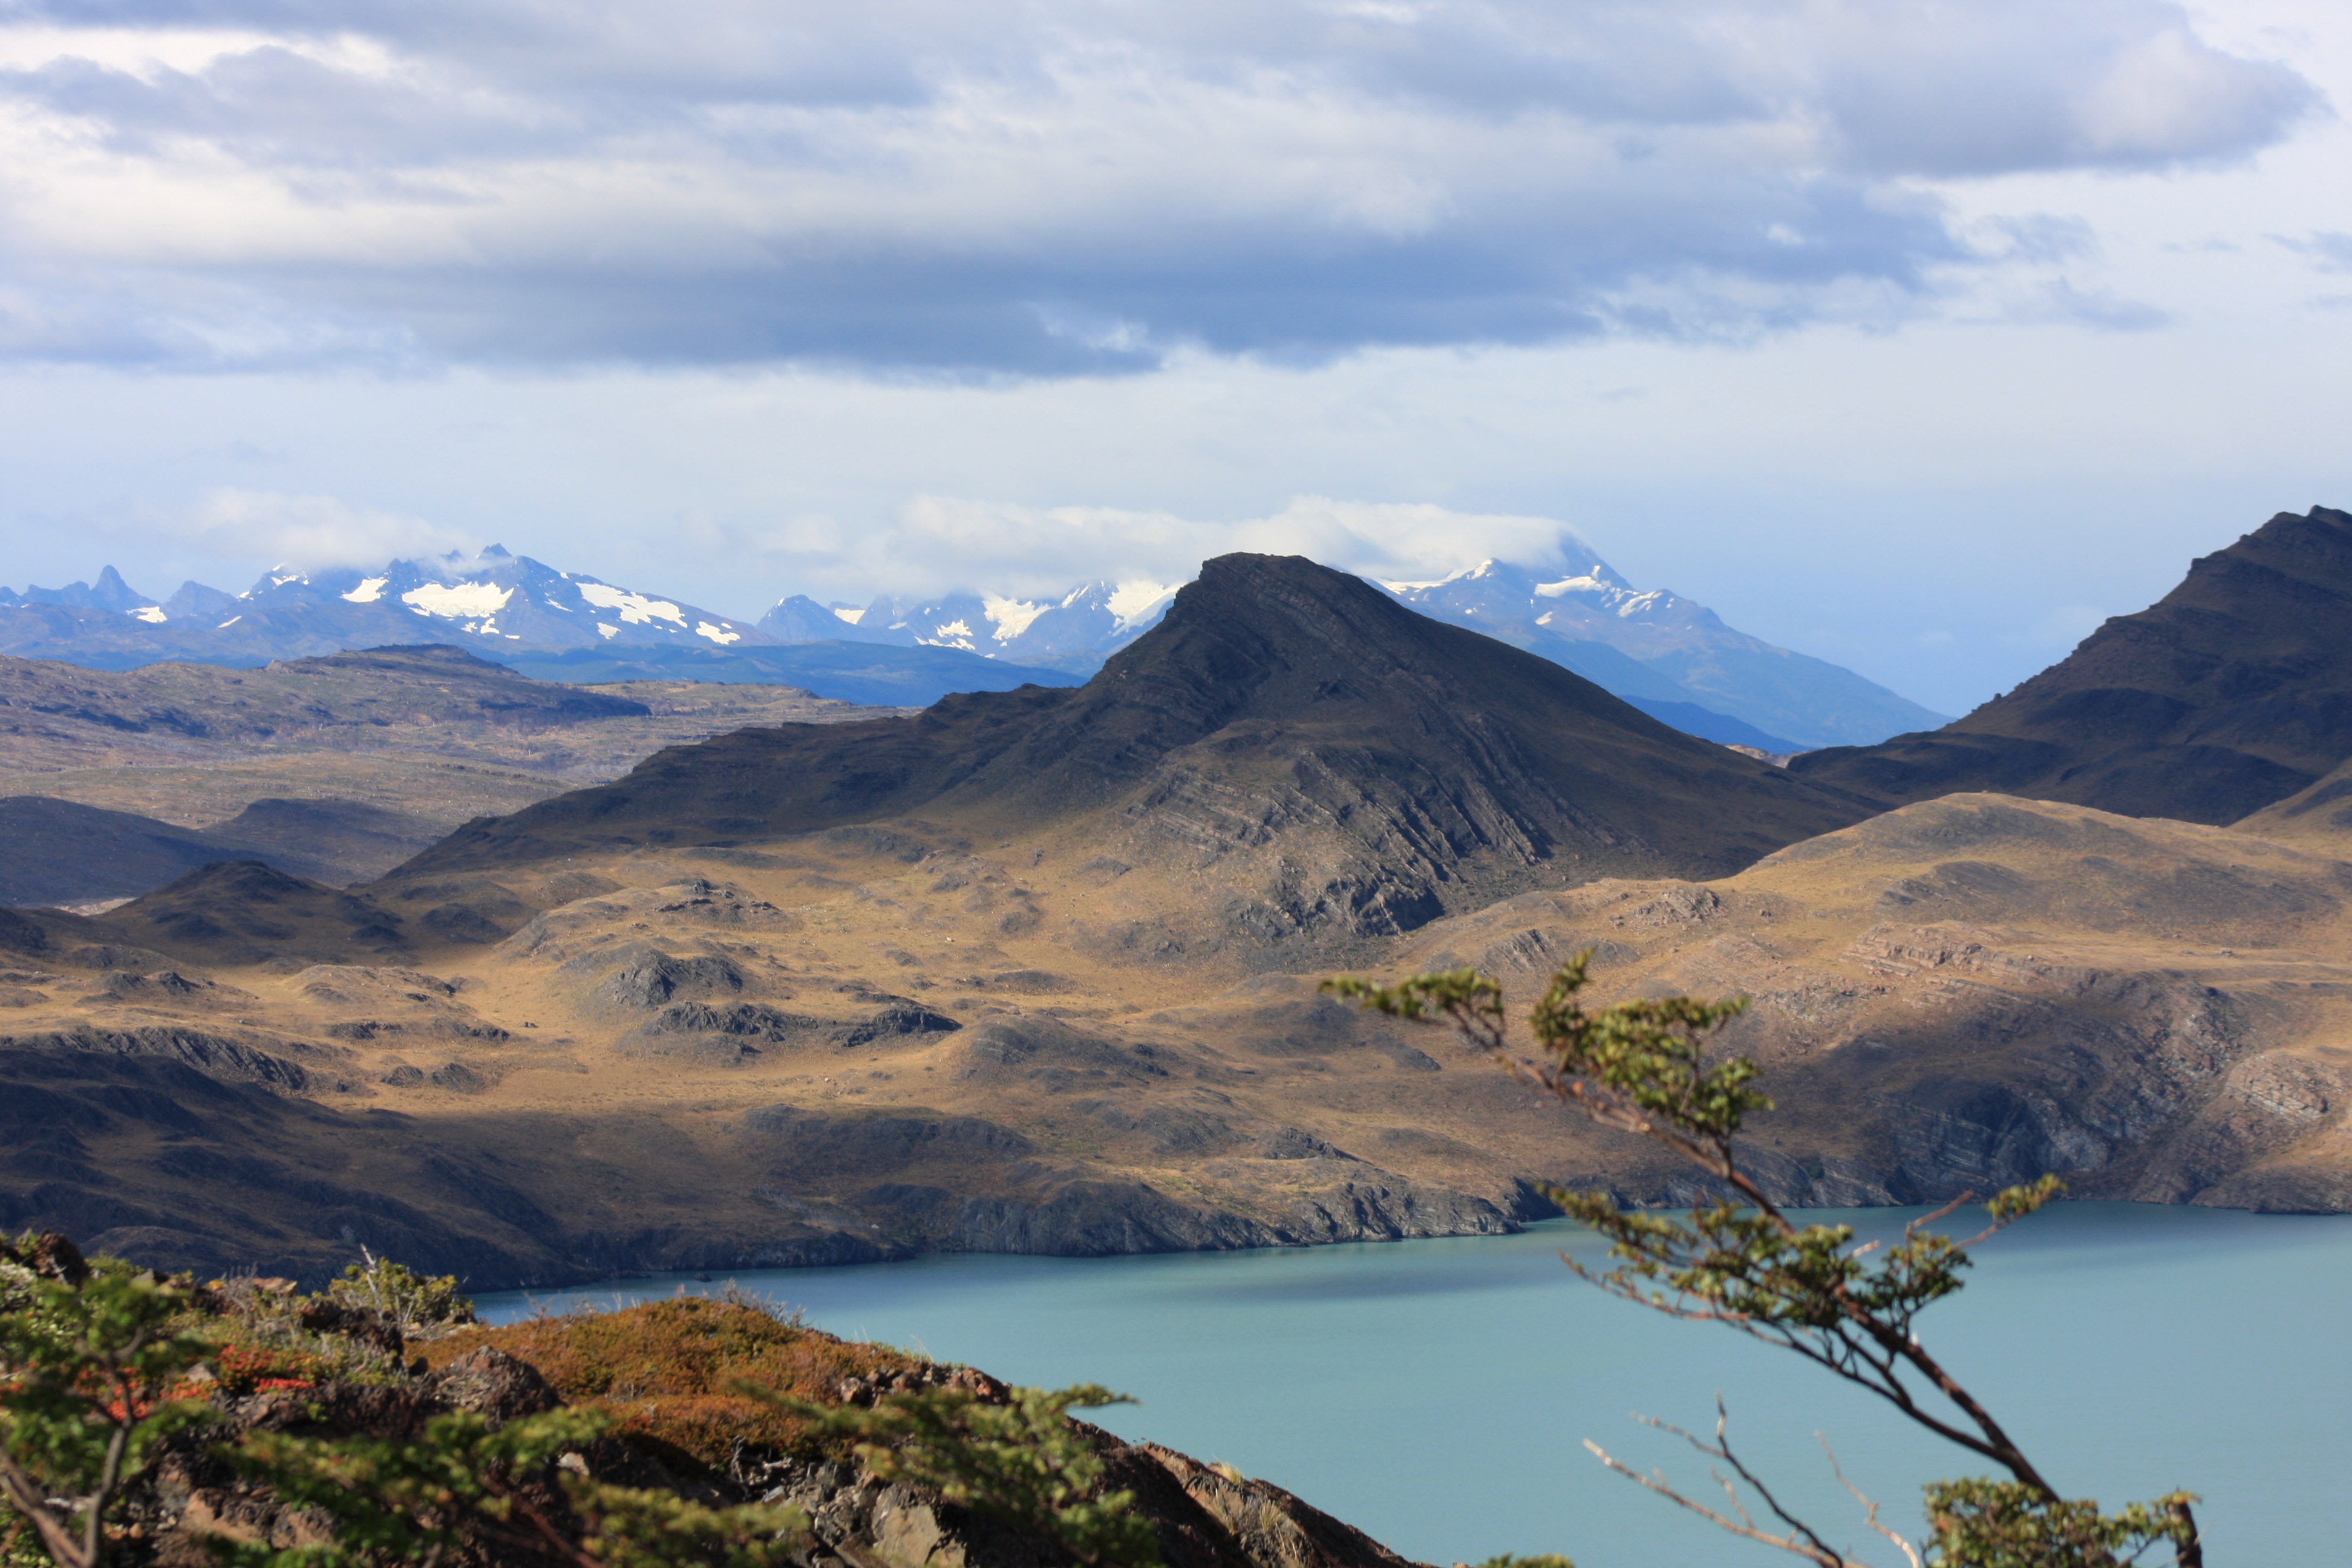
(2232, 692)
(1360, 765)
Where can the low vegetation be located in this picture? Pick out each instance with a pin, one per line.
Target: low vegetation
(152, 1419)
(704, 1380)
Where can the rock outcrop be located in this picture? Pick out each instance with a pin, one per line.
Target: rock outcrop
(689, 1431)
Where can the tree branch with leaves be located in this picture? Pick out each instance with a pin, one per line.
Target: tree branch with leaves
(1644, 1067)
(91, 1386)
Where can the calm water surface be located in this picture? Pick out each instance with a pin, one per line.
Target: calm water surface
(1437, 1392)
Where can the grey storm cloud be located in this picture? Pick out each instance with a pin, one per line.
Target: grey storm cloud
(1049, 188)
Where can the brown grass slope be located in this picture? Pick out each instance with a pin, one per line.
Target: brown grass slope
(67, 704)
(871, 1042)
(1381, 767)
(336, 768)
(1975, 990)
(1036, 973)
(2232, 692)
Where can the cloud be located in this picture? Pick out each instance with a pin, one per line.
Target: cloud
(2326, 250)
(1051, 188)
(308, 532)
(945, 543)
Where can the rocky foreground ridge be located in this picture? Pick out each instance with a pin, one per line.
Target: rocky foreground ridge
(330, 1367)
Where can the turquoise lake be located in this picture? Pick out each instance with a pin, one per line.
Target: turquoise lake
(1437, 1393)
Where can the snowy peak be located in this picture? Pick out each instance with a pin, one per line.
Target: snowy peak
(496, 596)
(1655, 645)
(1591, 602)
(1075, 630)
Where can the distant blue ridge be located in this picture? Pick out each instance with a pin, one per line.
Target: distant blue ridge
(881, 675)
(1708, 725)
(876, 674)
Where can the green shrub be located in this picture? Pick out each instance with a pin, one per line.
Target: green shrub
(419, 1305)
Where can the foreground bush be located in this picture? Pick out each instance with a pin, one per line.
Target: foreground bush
(153, 1421)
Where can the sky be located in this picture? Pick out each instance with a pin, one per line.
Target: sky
(1914, 335)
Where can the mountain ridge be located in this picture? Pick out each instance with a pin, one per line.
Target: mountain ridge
(2231, 693)
(1279, 702)
(1038, 971)
(1652, 647)
(1655, 645)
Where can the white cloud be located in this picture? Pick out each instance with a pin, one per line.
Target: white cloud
(948, 543)
(308, 532)
(1049, 188)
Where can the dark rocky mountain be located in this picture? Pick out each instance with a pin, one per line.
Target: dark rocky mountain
(1377, 766)
(1037, 971)
(2232, 692)
(108, 593)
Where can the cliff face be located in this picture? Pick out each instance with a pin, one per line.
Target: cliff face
(2231, 693)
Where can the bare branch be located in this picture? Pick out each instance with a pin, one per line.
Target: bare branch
(1721, 1449)
(1915, 1226)
(1869, 1508)
(1657, 1483)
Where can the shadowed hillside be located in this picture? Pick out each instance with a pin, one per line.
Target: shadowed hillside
(2231, 693)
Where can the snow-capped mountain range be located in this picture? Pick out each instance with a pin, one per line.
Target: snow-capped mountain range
(1651, 646)
(1075, 632)
(496, 598)
(1668, 655)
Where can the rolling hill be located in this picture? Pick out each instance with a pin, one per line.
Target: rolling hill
(1036, 972)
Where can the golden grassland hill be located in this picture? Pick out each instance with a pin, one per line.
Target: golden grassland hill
(1037, 973)
(2231, 693)
(1973, 991)
(336, 768)
(668, 1375)
(869, 1043)
(693, 1074)
(672, 1056)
